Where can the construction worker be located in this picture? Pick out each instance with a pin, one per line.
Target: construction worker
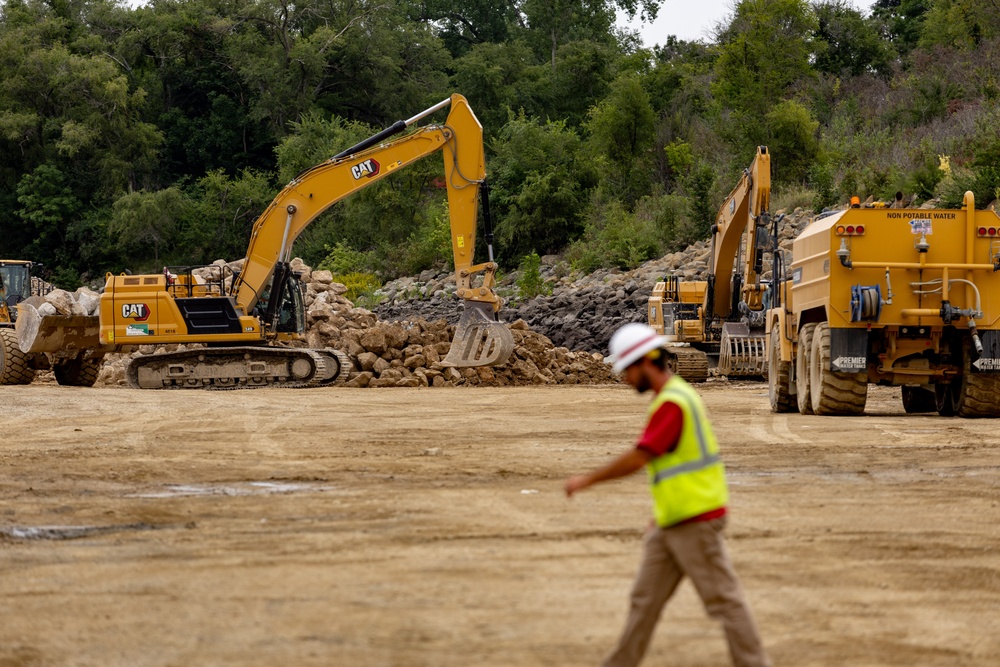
(689, 505)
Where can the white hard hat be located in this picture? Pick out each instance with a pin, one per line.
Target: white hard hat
(631, 343)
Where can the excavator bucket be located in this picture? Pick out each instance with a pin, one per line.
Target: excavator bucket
(54, 333)
(741, 354)
(480, 340)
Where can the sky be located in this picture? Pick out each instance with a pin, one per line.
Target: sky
(693, 20)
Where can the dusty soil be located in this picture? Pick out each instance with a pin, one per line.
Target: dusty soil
(404, 527)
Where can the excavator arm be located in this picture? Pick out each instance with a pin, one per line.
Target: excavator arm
(746, 209)
(479, 338)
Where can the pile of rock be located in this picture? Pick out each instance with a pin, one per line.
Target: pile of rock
(83, 301)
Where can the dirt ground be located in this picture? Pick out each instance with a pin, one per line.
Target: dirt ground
(404, 527)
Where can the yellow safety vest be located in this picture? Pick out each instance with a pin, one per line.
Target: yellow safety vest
(690, 480)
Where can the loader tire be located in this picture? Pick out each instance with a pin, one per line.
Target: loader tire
(918, 399)
(802, 396)
(77, 372)
(833, 393)
(15, 366)
(779, 376)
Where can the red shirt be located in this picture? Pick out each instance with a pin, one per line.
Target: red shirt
(661, 436)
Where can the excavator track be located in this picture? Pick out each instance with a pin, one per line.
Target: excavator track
(247, 367)
(689, 363)
(338, 367)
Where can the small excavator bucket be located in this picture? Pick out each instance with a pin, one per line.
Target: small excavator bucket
(480, 339)
(742, 354)
(54, 333)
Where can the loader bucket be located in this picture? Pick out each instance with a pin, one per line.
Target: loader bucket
(55, 333)
(480, 340)
(742, 354)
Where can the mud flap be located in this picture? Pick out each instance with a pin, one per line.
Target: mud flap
(480, 339)
(848, 350)
(989, 360)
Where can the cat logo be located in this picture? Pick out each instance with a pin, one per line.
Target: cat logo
(136, 311)
(365, 169)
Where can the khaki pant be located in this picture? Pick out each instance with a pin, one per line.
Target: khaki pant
(698, 551)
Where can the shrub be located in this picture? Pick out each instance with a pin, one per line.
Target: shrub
(615, 238)
(360, 287)
(342, 259)
(821, 178)
(791, 197)
(530, 283)
(428, 247)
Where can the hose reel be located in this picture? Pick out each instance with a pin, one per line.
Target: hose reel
(866, 303)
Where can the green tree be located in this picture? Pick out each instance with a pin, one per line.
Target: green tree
(48, 209)
(902, 21)
(959, 23)
(621, 128)
(463, 24)
(498, 80)
(225, 210)
(553, 23)
(846, 43)
(540, 182)
(763, 52)
(793, 141)
(148, 221)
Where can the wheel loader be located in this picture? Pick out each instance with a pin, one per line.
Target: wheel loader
(77, 359)
(240, 320)
(720, 321)
(893, 296)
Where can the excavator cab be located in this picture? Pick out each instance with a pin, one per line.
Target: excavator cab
(288, 315)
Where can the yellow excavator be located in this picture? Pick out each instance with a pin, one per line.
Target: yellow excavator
(721, 319)
(239, 317)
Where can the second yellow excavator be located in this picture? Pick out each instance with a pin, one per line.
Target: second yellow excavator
(722, 318)
(238, 318)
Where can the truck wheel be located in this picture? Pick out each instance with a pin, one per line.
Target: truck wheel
(802, 368)
(918, 399)
(833, 393)
(946, 398)
(15, 366)
(77, 372)
(779, 376)
(975, 393)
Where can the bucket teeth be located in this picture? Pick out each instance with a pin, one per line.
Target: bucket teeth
(480, 340)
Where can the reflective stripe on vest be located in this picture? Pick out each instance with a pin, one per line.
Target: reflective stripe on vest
(690, 480)
(707, 457)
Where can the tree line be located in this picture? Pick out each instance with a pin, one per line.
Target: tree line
(136, 137)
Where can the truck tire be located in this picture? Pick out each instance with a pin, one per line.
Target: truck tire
(833, 393)
(946, 398)
(77, 372)
(918, 399)
(802, 396)
(975, 394)
(15, 366)
(779, 376)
